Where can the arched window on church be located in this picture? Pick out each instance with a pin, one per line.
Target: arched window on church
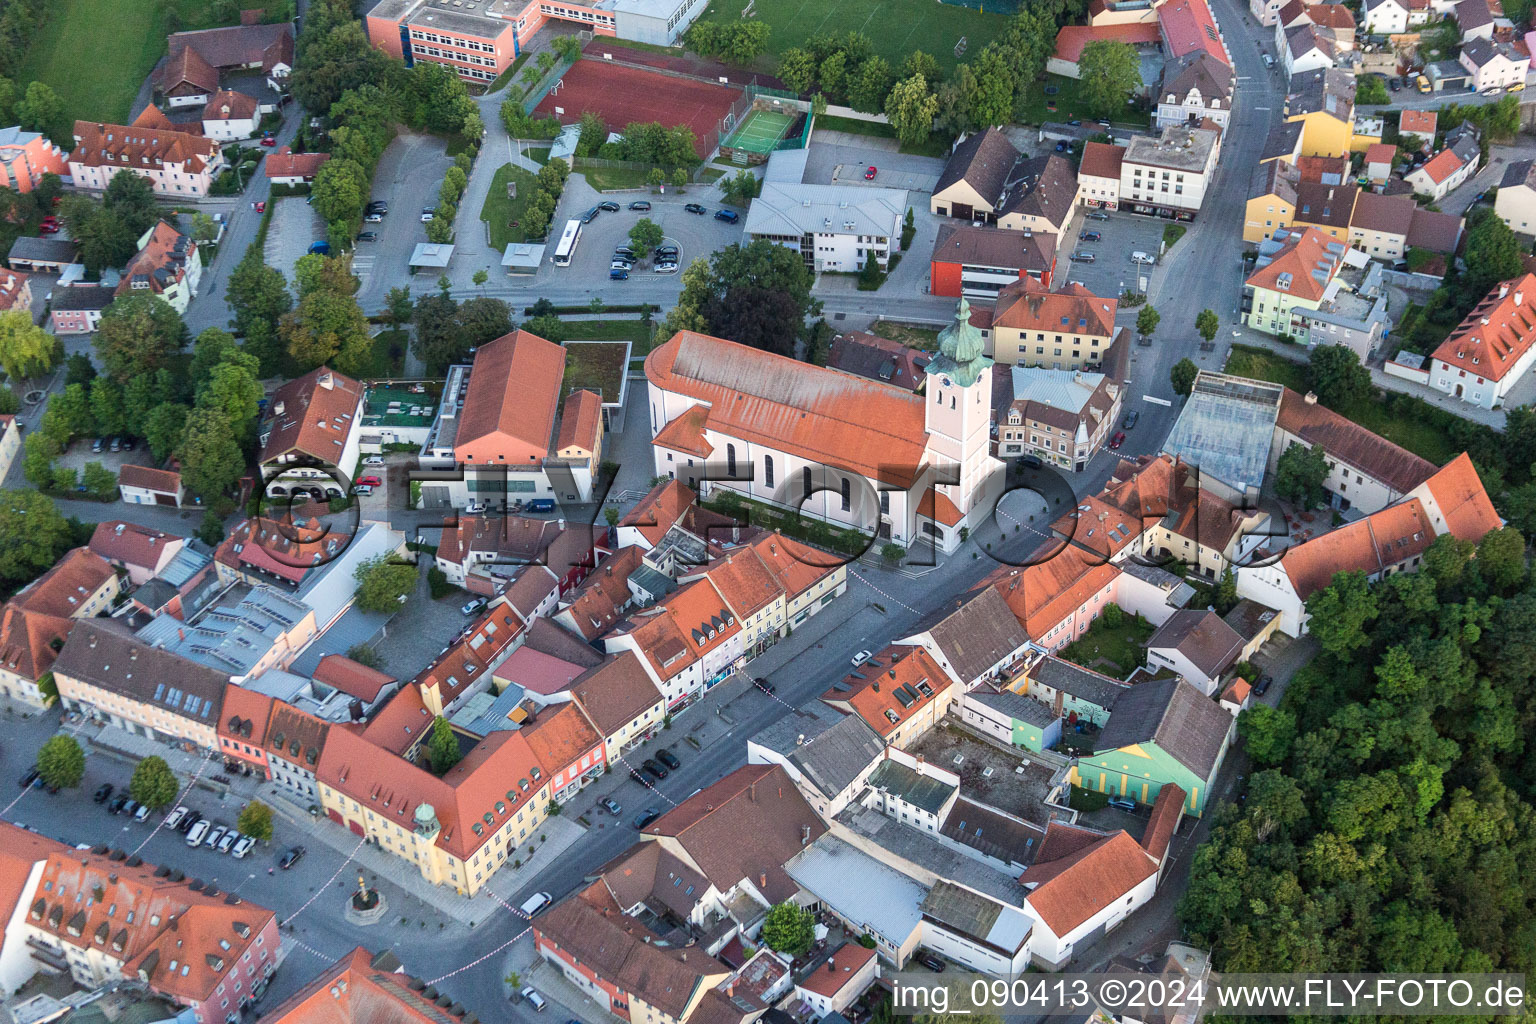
(768, 470)
(730, 460)
(847, 494)
(805, 479)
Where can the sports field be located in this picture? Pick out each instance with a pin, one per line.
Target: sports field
(760, 131)
(620, 95)
(895, 27)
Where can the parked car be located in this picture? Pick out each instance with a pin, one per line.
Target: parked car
(541, 505)
(475, 508)
(1098, 215)
(1141, 257)
(1118, 440)
(378, 206)
(427, 215)
(1074, 124)
(666, 252)
(861, 657)
(374, 460)
(609, 205)
(103, 793)
(216, 836)
(634, 773)
(30, 776)
(474, 606)
(764, 685)
(131, 807)
(117, 803)
(1032, 461)
(1061, 147)
(196, 833)
(535, 1000)
(268, 140)
(535, 903)
(1090, 236)
(1263, 686)
(227, 841)
(1121, 803)
(1131, 419)
(624, 252)
(664, 268)
(640, 204)
(931, 962)
(611, 805)
(185, 825)
(321, 247)
(291, 857)
(590, 215)
(653, 769)
(370, 481)
(870, 172)
(362, 490)
(98, 444)
(668, 758)
(142, 813)
(729, 216)
(48, 228)
(176, 817)
(243, 847)
(695, 208)
(368, 236)
(618, 274)
(1082, 257)
(1396, 84)
(374, 218)
(650, 815)
(619, 263)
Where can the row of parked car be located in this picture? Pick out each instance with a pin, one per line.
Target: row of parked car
(657, 767)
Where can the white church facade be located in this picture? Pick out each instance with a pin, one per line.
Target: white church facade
(853, 452)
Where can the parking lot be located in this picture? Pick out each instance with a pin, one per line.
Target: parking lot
(408, 178)
(295, 226)
(1112, 272)
(694, 235)
(828, 163)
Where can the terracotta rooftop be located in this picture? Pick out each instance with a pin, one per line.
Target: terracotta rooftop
(163, 480)
(1028, 305)
(285, 163)
(117, 145)
(1091, 871)
(891, 687)
(1101, 160)
(845, 962)
(581, 422)
(362, 988)
(561, 737)
(1418, 122)
(351, 677)
(1303, 267)
(1458, 492)
(312, 415)
(1386, 538)
(130, 544)
(229, 106)
(1350, 443)
(599, 602)
(510, 403)
(63, 589)
(1497, 334)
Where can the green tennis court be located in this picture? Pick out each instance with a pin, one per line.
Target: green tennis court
(761, 131)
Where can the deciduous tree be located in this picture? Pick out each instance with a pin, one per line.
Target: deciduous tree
(382, 584)
(255, 820)
(61, 762)
(211, 459)
(138, 334)
(153, 783)
(1182, 376)
(1110, 73)
(26, 350)
(789, 928)
(911, 108)
(1335, 374)
(645, 235)
(1299, 474)
(442, 746)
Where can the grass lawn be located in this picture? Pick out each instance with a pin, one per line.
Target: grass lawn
(606, 179)
(388, 355)
(511, 72)
(1070, 105)
(538, 156)
(895, 27)
(597, 366)
(95, 53)
(1121, 645)
(502, 213)
(1422, 431)
(710, 175)
(636, 332)
(1086, 800)
(912, 337)
(934, 146)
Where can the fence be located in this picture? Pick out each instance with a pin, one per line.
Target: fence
(542, 87)
(581, 162)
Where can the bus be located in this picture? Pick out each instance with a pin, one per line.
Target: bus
(568, 240)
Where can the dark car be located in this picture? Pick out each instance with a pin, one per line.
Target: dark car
(1117, 440)
(290, 858)
(624, 252)
(653, 769)
(590, 215)
(117, 804)
(666, 252)
(609, 205)
(1032, 461)
(650, 815)
(1074, 124)
(1061, 147)
(729, 216)
(931, 962)
(368, 236)
(1131, 419)
(640, 204)
(695, 208)
(1395, 84)
(185, 824)
(378, 206)
(764, 685)
(1098, 215)
(618, 274)
(1090, 236)
(1263, 686)
(669, 759)
(634, 773)
(103, 793)
(30, 777)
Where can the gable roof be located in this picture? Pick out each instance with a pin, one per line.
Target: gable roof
(819, 414)
(1418, 122)
(285, 163)
(514, 388)
(63, 589)
(1101, 160)
(1200, 71)
(229, 106)
(1058, 580)
(755, 800)
(1187, 27)
(890, 687)
(1303, 267)
(1388, 537)
(362, 988)
(1202, 636)
(1175, 715)
(1027, 305)
(131, 544)
(145, 477)
(616, 692)
(351, 677)
(187, 67)
(581, 421)
(1167, 809)
(239, 45)
(1078, 873)
(602, 597)
(1496, 334)
(974, 634)
(102, 654)
(1348, 442)
(1045, 187)
(1458, 493)
(983, 161)
(1440, 166)
(869, 355)
(312, 415)
(140, 145)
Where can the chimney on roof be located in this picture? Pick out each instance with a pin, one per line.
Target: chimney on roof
(752, 792)
(762, 880)
(730, 988)
(805, 834)
(1310, 398)
(831, 967)
(1519, 297)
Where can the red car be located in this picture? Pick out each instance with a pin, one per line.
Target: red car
(268, 140)
(373, 481)
(49, 226)
(1117, 440)
(261, 207)
(869, 174)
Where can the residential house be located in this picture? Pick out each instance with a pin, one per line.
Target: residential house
(875, 358)
(168, 264)
(1012, 717)
(1322, 100)
(1378, 162)
(141, 551)
(1071, 692)
(230, 115)
(484, 553)
(1161, 731)
(975, 640)
(1306, 48)
(1474, 19)
(242, 728)
(360, 988)
(1197, 644)
(848, 972)
(979, 261)
(1421, 124)
(1294, 271)
(77, 309)
(1195, 89)
(37, 621)
(186, 79)
(579, 437)
(309, 435)
(42, 255)
(15, 292)
(832, 227)
(623, 703)
(143, 485)
(1366, 472)
(1062, 416)
(1394, 17)
(1070, 329)
(1387, 226)
(176, 162)
(1139, 32)
(1516, 201)
(1098, 175)
(599, 603)
(975, 178)
(100, 918)
(106, 671)
(901, 692)
(243, 47)
(1271, 204)
(1327, 208)
(828, 754)
(1167, 176)
(1494, 64)
(285, 167)
(1492, 349)
(26, 156)
(569, 747)
(1447, 169)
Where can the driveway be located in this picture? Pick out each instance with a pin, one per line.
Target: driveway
(295, 226)
(408, 177)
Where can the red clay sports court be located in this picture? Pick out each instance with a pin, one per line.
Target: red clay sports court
(621, 95)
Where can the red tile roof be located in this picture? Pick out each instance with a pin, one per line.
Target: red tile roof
(229, 106)
(463, 662)
(117, 145)
(1418, 122)
(244, 716)
(1498, 332)
(313, 415)
(164, 480)
(509, 406)
(1295, 268)
(939, 508)
(360, 988)
(885, 691)
(159, 265)
(1380, 153)
(1071, 39)
(1059, 580)
(561, 737)
(285, 163)
(745, 581)
(1167, 809)
(1441, 166)
(811, 412)
(352, 677)
(686, 433)
(134, 545)
(1070, 888)
(1027, 305)
(280, 548)
(1348, 442)
(63, 590)
(1101, 160)
(581, 422)
(1459, 493)
(655, 513)
(1187, 27)
(1383, 539)
(11, 284)
(845, 962)
(187, 67)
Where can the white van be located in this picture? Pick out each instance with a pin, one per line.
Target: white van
(534, 999)
(195, 837)
(535, 903)
(175, 817)
(1140, 257)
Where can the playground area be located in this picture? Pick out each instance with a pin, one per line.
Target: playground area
(622, 95)
(760, 131)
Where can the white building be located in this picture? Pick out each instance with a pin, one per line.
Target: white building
(1449, 168)
(230, 115)
(856, 453)
(168, 264)
(1167, 176)
(1492, 349)
(309, 438)
(1494, 65)
(1194, 89)
(833, 227)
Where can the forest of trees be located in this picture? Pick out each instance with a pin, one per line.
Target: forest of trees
(1388, 823)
